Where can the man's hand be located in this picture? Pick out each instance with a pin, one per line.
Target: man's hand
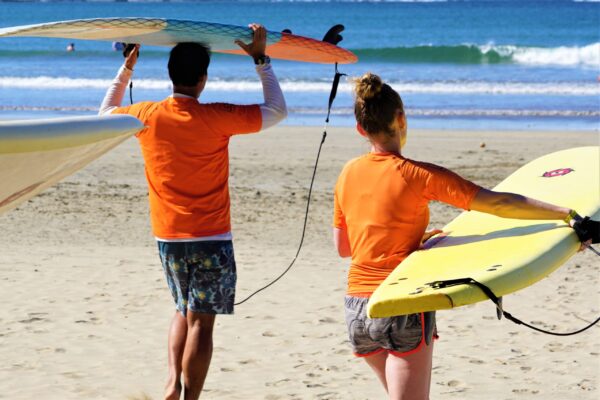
(256, 49)
(132, 57)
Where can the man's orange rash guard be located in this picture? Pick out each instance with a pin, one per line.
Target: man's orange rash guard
(382, 201)
(185, 149)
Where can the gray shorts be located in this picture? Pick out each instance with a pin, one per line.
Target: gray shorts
(400, 335)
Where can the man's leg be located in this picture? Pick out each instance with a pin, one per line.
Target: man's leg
(197, 353)
(177, 337)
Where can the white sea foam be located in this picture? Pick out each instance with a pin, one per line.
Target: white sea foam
(349, 112)
(47, 82)
(423, 87)
(470, 112)
(509, 88)
(427, 87)
(569, 56)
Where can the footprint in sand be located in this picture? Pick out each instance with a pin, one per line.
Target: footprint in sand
(525, 391)
(312, 385)
(327, 395)
(476, 361)
(456, 385)
(73, 375)
(305, 367)
(587, 385)
(554, 346)
(328, 320)
(32, 319)
(277, 383)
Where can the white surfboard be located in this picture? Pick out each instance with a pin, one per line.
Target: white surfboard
(35, 154)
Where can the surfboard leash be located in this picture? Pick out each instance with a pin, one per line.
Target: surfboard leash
(332, 95)
(131, 91)
(589, 246)
(128, 48)
(498, 302)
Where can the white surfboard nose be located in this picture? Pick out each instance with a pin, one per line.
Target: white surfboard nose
(36, 154)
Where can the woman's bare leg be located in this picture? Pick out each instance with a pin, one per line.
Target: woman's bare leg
(377, 362)
(409, 377)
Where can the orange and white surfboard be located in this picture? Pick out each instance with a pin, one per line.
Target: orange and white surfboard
(168, 32)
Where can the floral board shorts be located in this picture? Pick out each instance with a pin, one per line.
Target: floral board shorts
(400, 335)
(201, 275)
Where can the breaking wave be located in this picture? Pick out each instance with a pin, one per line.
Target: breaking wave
(298, 86)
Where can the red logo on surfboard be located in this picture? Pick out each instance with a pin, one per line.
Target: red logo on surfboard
(558, 172)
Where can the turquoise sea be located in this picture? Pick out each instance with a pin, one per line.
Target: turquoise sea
(479, 64)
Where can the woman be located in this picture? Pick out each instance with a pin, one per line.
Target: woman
(380, 217)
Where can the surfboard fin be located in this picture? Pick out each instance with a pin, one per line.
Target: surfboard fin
(499, 310)
(429, 319)
(333, 34)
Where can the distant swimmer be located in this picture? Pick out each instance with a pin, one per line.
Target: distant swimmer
(71, 47)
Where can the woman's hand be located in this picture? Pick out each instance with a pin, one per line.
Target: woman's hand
(428, 235)
(587, 230)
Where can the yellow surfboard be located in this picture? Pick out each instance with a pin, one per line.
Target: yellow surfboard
(504, 254)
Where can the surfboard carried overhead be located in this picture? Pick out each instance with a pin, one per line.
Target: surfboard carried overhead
(504, 254)
(36, 154)
(168, 32)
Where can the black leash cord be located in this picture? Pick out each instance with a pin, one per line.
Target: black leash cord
(336, 81)
(131, 92)
(488, 292)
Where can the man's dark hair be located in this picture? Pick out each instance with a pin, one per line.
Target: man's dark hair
(188, 63)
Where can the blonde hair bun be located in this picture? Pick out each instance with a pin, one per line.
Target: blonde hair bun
(368, 86)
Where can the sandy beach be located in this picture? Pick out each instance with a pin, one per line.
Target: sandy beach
(85, 308)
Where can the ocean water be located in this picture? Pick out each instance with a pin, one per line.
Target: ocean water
(479, 64)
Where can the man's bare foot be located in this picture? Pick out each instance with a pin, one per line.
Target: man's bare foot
(173, 389)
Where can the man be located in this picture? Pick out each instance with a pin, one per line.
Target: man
(186, 160)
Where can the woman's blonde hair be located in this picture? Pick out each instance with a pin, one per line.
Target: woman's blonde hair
(376, 105)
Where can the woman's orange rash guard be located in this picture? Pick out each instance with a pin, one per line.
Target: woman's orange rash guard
(381, 199)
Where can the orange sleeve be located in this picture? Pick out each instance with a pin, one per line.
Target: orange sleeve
(339, 221)
(138, 110)
(444, 185)
(238, 119)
